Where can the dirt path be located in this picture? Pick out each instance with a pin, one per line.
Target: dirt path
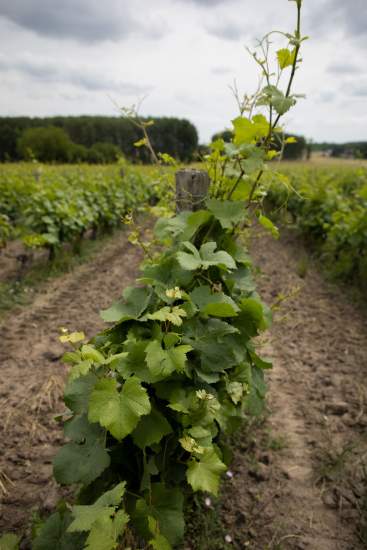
(317, 400)
(309, 480)
(32, 375)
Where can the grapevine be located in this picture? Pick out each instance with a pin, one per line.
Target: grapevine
(150, 397)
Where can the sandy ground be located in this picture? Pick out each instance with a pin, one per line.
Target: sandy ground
(280, 496)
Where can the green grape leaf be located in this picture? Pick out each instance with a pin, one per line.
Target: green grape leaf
(90, 353)
(133, 363)
(217, 343)
(79, 429)
(242, 279)
(260, 363)
(253, 317)
(165, 505)
(159, 542)
(235, 390)
(166, 228)
(75, 463)
(206, 257)
(163, 362)
(9, 541)
(249, 131)
(141, 142)
(77, 392)
(228, 213)
(151, 429)
(271, 95)
(53, 534)
(184, 226)
(204, 475)
(80, 369)
(253, 164)
(220, 258)
(105, 532)
(286, 57)
(290, 139)
(179, 398)
(136, 301)
(254, 401)
(167, 272)
(172, 314)
(72, 338)
(119, 412)
(268, 224)
(216, 304)
(190, 261)
(85, 516)
(71, 357)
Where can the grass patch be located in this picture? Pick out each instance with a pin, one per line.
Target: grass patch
(204, 527)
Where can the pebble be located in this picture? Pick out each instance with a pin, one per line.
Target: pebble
(337, 408)
(260, 472)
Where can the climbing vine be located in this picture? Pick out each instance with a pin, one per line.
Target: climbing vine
(149, 398)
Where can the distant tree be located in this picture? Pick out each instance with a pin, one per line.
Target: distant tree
(297, 150)
(103, 153)
(78, 153)
(177, 137)
(45, 144)
(226, 136)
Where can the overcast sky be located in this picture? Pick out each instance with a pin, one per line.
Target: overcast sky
(76, 57)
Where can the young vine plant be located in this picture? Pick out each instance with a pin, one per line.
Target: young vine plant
(150, 397)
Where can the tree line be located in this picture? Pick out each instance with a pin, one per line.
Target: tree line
(356, 149)
(92, 139)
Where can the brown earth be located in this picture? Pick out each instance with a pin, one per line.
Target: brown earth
(295, 483)
(32, 375)
(307, 456)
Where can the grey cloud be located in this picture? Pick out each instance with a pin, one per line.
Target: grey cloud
(82, 20)
(354, 88)
(327, 97)
(351, 16)
(221, 69)
(359, 90)
(343, 68)
(207, 3)
(48, 72)
(227, 30)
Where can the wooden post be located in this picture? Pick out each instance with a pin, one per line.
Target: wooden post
(191, 189)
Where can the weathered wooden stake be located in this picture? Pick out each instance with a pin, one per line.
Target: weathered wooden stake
(191, 189)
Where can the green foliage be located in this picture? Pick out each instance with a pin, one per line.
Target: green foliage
(329, 207)
(47, 206)
(150, 396)
(96, 139)
(45, 144)
(102, 153)
(9, 541)
(118, 411)
(177, 368)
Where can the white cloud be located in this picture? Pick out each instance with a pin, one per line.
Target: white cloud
(69, 57)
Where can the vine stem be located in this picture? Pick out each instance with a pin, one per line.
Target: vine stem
(288, 91)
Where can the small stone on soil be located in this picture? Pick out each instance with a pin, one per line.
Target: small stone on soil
(337, 408)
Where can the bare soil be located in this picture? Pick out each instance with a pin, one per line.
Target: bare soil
(298, 477)
(32, 375)
(295, 484)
